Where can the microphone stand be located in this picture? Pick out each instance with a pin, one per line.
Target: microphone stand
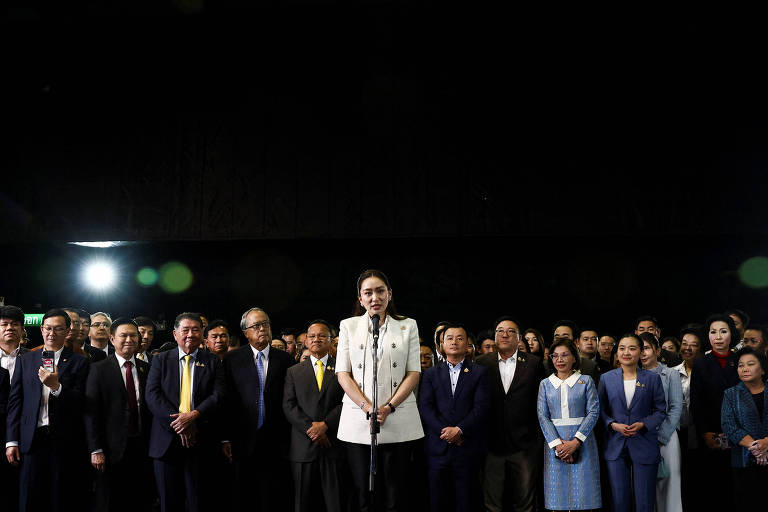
(373, 417)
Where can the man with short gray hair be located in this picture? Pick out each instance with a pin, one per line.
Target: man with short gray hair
(256, 423)
(99, 334)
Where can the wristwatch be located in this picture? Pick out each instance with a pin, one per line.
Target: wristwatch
(391, 407)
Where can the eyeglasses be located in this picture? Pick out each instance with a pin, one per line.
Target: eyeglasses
(100, 324)
(319, 337)
(508, 332)
(58, 330)
(258, 326)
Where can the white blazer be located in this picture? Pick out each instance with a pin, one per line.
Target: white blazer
(400, 345)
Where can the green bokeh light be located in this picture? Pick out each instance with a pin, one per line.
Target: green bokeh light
(175, 277)
(147, 276)
(754, 272)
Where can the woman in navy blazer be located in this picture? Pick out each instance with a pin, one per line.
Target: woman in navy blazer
(744, 418)
(632, 406)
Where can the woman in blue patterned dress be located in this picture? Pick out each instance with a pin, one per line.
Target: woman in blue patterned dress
(568, 410)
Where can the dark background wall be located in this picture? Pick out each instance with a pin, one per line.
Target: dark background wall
(592, 165)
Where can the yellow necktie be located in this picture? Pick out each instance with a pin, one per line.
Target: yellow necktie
(319, 375)
(186, 387)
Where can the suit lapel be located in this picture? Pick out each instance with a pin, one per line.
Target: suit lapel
(466, 369)
(521, 366)
(66, 355)
(116, 373)
(175, 383)
(202, 365)
(619, 387)
(328, 375)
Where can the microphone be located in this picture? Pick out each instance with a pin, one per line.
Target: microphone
(375, 322)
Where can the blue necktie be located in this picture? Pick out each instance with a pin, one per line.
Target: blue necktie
(260, 369)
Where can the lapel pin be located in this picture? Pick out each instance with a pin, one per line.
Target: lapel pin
(198, 363)
(361, 347)
(519, 358)
(466, 370)
(394, 346)
(402, 328)
(640, 385)
(63, 360)
(329, 368)
(581, 382)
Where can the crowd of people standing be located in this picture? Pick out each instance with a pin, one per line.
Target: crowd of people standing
(509, 419)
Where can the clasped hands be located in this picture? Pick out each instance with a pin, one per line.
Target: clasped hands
(184, 425)
(759, 449)
(566, 449)
(452, 435)
(317, 433)
(628, 430)
(381, 417)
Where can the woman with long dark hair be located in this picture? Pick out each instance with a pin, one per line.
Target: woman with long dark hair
(397, 374)
(668, 487)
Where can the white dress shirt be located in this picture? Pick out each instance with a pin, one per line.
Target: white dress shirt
(314, 361)
(264, 358)
(192, 364)
(8, 361)
(134, 372)
(629, 390)
(453, 373)
(42, 417)
(507, 369)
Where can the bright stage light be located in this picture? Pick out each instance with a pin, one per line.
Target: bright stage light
(99, 275)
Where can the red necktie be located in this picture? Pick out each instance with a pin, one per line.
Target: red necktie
(130, 394)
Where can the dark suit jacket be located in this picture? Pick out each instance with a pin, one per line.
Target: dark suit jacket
(303, 403)
(65, 411)
(513, 424)
(163, 389)
(5, 390)
(708, 384)
(96, 354)
(467, 409)
(649, 405)
(107, 416)
(243, 402)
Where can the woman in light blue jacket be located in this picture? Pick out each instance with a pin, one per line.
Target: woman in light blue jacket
(668, 498)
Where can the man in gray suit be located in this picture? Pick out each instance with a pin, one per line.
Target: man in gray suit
(312, 405)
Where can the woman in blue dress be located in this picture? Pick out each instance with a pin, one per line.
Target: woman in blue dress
(568, 410)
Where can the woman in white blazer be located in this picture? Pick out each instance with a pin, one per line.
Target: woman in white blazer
(398, 376)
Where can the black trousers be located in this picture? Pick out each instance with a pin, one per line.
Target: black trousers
(181, 479)
(263, 483)
(316, 485)
(391, 475)
(49, 479)
(110, 485)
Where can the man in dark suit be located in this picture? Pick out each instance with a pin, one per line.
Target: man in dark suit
(587, 343)
(257, 428)
(45, 421)
(146, 337)
(185, 388)
(454, 404)
(514, 437)
(11, 332)
(312, 405)
(117, 422)
(98, 335)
